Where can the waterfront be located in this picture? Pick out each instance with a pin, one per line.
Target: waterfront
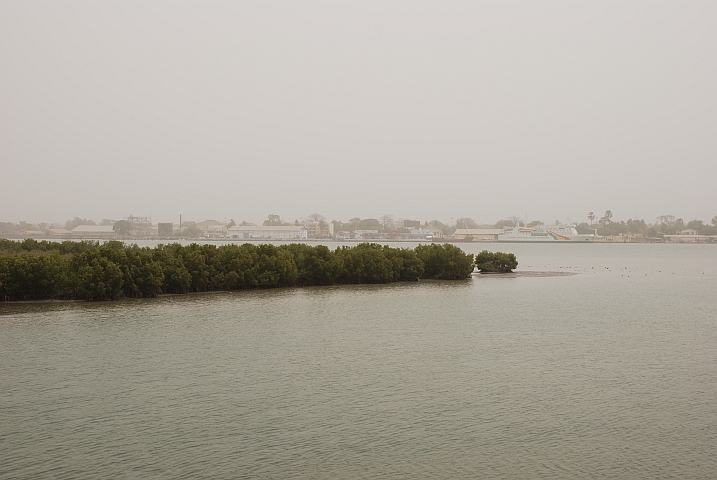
(609, 372)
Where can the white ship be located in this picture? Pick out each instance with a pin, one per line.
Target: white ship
(542, 233)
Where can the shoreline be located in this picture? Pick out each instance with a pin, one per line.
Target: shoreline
(514, 274)
(331, 241)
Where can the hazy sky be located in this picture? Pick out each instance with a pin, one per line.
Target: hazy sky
(355, 109)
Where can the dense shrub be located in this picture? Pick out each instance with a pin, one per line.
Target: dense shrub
(444, 262)
(497, 262)
(90, 271)
(315, 265)
(95, 277)
(25, 277)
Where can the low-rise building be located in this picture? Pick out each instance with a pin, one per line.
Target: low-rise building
(345, 235)
(268, 232)
(367, 234)
(206, 224)
(319, 229)
(620, 238)
(216, 231)
(691, 238)
(59, 232)
(94, 231)
(478, 234)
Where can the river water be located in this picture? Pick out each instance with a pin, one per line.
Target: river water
(593, 361)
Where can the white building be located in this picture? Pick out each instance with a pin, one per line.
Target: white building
(478, 233)
(269, 233)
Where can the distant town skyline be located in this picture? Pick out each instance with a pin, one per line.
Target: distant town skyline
(597, 214)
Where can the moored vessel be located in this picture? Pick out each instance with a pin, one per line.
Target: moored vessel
(541, 233)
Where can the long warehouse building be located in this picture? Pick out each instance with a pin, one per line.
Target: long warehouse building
(266, 232)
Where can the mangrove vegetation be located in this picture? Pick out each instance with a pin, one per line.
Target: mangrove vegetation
(495, 262)
(32, 270)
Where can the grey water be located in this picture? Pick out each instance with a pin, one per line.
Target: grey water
(593, 361)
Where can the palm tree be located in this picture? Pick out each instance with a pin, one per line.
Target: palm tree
(591, 217)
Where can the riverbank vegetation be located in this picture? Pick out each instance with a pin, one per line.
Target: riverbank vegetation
(32, 270)
(663, 225)
(498, 262)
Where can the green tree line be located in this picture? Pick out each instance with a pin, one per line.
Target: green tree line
(88, 270)
(664, 225)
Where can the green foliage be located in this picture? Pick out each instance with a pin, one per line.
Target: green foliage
(612, 228)
(315, 265)
(668, 225)
(95, 277)
(31, 245)
(365, 263)
(466, 223)
(123, 227)
(607, 218)
(176, 277)
(91, 271)
(275, 267)
(406, 264)
(24, 277)
(702, 228)
(498, 262)
(7, 228)
(274, 220)
(637, 226)
(444, 262)
(504, 223)
(365, 224)
(369, 224)
(607, 228)
(446, 229)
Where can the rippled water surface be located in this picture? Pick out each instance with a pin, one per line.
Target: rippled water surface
(610, 372)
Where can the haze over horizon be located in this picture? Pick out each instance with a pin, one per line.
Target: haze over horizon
(356, 109)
